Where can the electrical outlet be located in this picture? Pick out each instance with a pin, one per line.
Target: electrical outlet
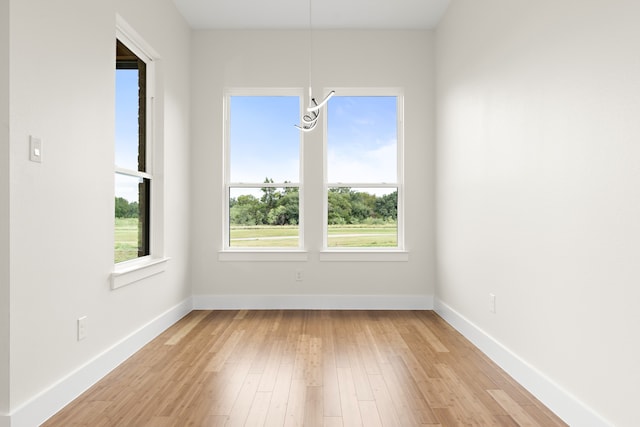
(492, 303)
(82, 328)
(298, 275)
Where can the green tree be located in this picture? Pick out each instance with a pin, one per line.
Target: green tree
(339, 209)
(277, 216)
(290, 202)
(270, 196)
(362, 206)
(387, 206)
(246, 210)
(124, 209)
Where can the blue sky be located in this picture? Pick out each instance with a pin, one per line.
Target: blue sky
(264, 140)
(362, 139)
(127, 119)
(126, 132)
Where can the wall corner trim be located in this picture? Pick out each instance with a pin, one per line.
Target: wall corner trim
(47, 403)
(561, 402)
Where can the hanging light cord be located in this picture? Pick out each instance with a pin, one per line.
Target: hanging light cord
(310, 120)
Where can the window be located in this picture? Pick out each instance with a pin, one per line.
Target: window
(262, 170)
(133, 178)
(364, 171)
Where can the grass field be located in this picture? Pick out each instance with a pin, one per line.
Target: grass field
(264, 236)
(126, 237)
(362, 236)
(349, 236)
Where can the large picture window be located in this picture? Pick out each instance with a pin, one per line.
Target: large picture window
(133, 179)
(363, 178)
(262, 170)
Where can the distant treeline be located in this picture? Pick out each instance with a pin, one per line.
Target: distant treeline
(280, 207)
(124, 209)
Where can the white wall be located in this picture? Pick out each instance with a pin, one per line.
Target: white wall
(537, 186)
(223, 59)
(4, 207)
(62, 90)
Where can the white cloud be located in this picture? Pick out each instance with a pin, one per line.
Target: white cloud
(353, 164)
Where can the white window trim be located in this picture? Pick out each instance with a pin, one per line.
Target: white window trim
(227, 253)
(128, 272)
(392, 254)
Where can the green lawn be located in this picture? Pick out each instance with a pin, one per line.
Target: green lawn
(363, 236)
(263, 236)
(126, 238)
(367, 236)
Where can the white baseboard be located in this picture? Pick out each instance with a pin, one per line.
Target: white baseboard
(562, 403)
(50, 401)
(313, 302)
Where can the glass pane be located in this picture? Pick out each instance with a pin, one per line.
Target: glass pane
(263, 141)
(131, 217)
(362, 139)
(362, 217)
(127, 127)
(266, 217)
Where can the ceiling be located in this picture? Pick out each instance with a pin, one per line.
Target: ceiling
(325, 14)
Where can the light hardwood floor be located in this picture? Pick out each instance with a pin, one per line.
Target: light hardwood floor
(307, 368)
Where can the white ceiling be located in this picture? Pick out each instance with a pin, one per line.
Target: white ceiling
(326, 14)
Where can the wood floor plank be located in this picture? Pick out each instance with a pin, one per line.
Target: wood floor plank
(369, 413)
(348, 398)
(223, 402)
(419, 406)
(187, 327)
(296, 403)
(270, 370)
(359, 373)
(259, 408)
(307, 368)
(384, 402)
(223, 353)
(313, 407)
(466, 404)
(333, 422)
(244, 401)
(280, 397)
(401, 400)
(513, 409)
(331, 390)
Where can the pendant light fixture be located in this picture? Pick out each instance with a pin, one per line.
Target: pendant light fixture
(310, 119)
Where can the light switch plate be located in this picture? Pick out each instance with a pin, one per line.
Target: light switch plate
(82, 328)
(35, 149)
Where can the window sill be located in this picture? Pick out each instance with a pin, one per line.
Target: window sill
(364, 256)
(130, 272)
(266, 255)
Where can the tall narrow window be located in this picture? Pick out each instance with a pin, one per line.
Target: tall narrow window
(262, 171)
(132, 174)
(364, 172)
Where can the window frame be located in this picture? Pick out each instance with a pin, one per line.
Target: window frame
(143, 172)
(272, 253)
(367, 253)
(130, 271)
